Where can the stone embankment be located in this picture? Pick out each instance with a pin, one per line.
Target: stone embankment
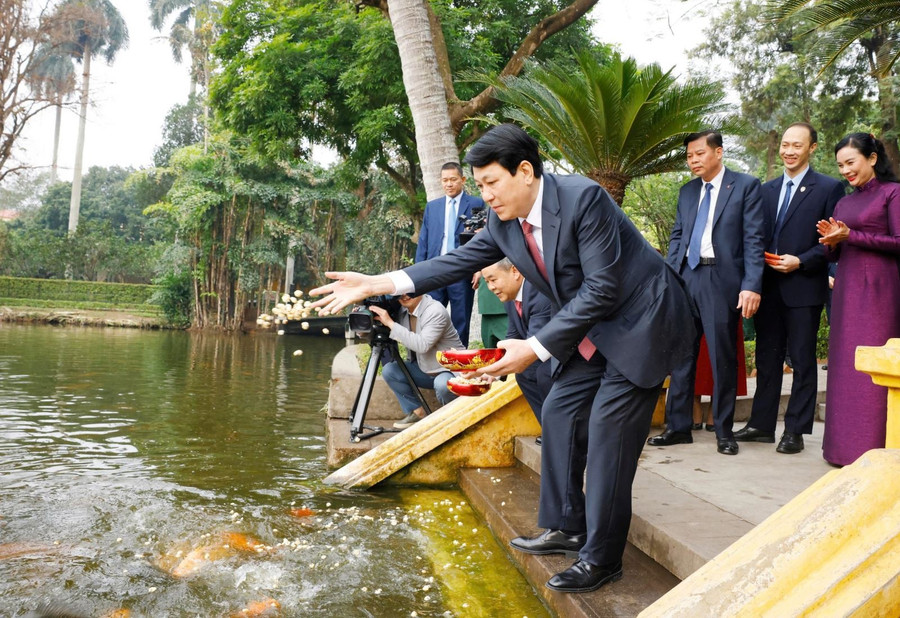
(78, 317)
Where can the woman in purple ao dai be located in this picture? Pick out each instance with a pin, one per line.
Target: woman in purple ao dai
(864, 234)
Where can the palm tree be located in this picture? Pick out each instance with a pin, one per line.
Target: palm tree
(612, 122)
(87, 28)
(197, 37)
(435, 138)
(875, 25)
(53, 77)
(843, 22)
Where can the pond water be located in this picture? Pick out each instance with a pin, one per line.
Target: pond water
(172, 474)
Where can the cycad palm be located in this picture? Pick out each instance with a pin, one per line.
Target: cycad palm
(615, 121)
(843, 22)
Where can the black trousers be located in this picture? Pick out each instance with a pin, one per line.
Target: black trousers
(719, 322)
(594, 421)
(782, 329)
(535, 383)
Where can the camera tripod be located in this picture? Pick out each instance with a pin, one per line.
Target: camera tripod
(380, 343)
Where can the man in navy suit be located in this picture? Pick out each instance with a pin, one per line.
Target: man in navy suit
(528, 310)
(717, 246)
(620, 321)
(441, 225)
(795, 288)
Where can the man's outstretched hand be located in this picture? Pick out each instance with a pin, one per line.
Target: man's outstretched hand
(349, 288)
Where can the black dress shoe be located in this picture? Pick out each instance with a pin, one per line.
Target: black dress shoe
(584, 577)
(697, 426)
(537, 440)
(550, 542)
(751, 434)
(727, 446)
(710, 427)
(669, 437)
(790, 443)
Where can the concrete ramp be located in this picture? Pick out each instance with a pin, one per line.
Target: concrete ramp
(469, 432)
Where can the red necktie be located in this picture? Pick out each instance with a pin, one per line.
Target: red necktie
(585, 348)
(527, 229)
(519, 307)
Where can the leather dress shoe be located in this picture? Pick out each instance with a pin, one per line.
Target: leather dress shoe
(669, 437)
(710, 427)
(550, 542)
(752, 434)
(790, 443)
(538, 440)
(697, 426)
(727, 446)
(584, 577)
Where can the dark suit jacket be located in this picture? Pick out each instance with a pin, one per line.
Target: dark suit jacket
(535, 313)
(431, 235)
(813, 200)
(737, 234)
(606, 281)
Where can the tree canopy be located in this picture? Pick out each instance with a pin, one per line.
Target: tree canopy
(317, 71)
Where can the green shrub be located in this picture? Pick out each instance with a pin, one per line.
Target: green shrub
(115, 294)
(822, 338)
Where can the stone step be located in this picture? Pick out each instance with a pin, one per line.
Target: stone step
(507, 498)
(744, 404)
(690, 503)
(666, 521)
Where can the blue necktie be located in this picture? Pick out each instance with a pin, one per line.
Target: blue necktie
(699, 225)
(779, 221)
(451, 225)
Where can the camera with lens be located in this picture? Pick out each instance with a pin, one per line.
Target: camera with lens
(363, 320)
(473, 224)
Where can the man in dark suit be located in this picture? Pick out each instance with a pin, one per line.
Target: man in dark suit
(717, 246)
(527, 310)
(441, 225)
(620, 320)
(795, 288)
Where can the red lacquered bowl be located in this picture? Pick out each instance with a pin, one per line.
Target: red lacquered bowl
(469, 360)
(468, 388)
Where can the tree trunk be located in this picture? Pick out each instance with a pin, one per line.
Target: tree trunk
(615, 183)
(54, 168)
(75, 202)
(435, 139)
(887, 101)
(772, 148)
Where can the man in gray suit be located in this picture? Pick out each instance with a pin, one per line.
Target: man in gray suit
(620, 321)
(717, 246)
(423, 326)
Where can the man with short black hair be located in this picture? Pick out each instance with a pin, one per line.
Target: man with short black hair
(795, 288)
(620, 320)
(441, 226)
(424, 327)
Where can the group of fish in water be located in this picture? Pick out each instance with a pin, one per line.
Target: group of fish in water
(178, 563)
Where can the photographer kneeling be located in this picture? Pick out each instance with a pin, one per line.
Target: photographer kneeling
(423, 326)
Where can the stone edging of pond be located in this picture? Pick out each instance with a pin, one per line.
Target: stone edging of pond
(72, 317)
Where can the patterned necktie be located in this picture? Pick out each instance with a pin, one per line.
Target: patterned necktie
(699, 226)
(519, 307)
(779, 221)
(528, 230)
(585, 348)
(451, 225)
